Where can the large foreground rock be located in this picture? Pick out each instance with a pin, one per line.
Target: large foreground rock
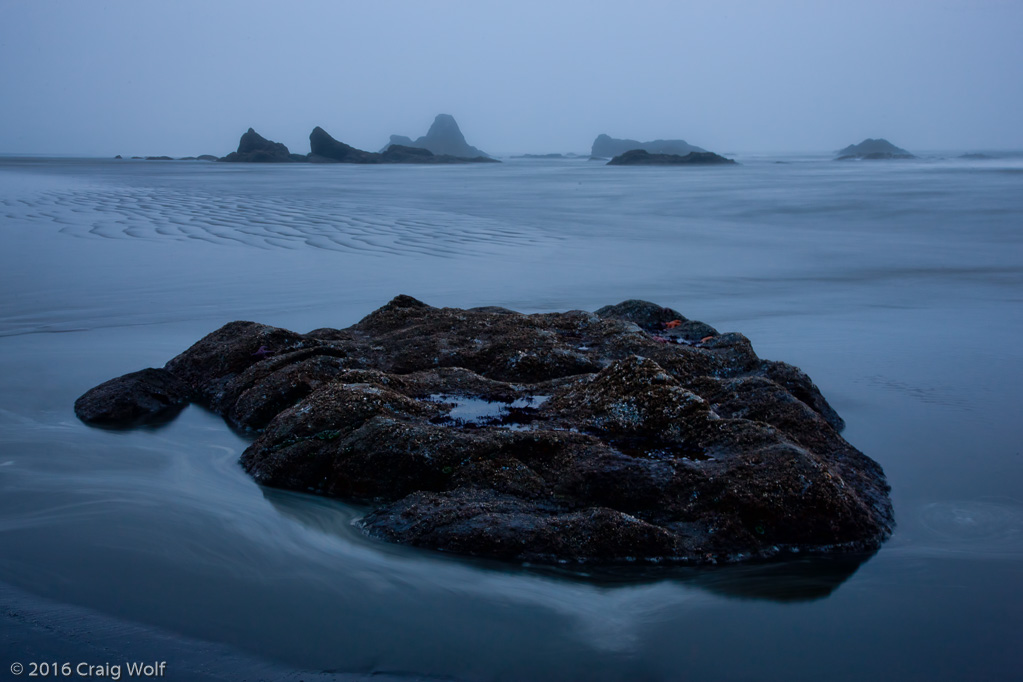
(606, 147)
(871, 149)
(629, 434)
(443, 138)
(638, 157)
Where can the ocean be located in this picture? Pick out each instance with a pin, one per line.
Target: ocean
(897, 286)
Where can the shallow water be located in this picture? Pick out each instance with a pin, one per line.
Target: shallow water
(896, 286)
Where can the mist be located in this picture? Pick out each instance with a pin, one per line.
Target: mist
(189, 77)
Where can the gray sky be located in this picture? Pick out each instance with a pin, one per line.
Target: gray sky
(188, 77)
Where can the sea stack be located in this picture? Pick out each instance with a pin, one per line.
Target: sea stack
(605, 147)
(871, 149)
(254, 148)
(639, 157)
(443, 138)
(325, 149)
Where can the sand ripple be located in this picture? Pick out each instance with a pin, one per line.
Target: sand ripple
(268, 223)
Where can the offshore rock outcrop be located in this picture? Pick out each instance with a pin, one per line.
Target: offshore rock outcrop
(638, 157)
(397, 153)
(629, 434)
(325, 149)
(871, 149)
(254, 148)
(607, 147)
(443, 138)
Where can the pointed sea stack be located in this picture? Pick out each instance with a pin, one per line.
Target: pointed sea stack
(443, 138)
(254, 148)
(325, 149)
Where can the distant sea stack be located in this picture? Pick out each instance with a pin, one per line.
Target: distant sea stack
(325, 149)
(606, 147)
(640, 157)
(873, 150)
(254, 148)
(443, 138)
(399, 153)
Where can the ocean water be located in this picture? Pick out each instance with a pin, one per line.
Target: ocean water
(896, 285)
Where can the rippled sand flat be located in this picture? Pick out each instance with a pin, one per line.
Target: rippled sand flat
(279, 223)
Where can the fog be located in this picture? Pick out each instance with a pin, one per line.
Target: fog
(129, 77)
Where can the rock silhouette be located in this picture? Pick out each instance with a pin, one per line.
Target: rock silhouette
(254, 148)
(871, 149)
(638, 157)
(444, 137)
(606, 147)
(325, 149)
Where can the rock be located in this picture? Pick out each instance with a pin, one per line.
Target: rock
(639, 157)
(629, 434)
(206, 157)
(607, 147)
(402, 140)
(873, 150)
(397, 153)
(214, 360)
(118, 157)
(325, 149)
(444, 137)
(145, 396)
(653, 318)
(254, 148)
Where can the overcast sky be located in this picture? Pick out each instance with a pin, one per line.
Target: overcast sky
(188, 77)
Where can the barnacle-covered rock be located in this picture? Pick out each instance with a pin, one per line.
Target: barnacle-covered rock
(629, 434)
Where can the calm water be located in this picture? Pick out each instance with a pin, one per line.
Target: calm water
(896, 286)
